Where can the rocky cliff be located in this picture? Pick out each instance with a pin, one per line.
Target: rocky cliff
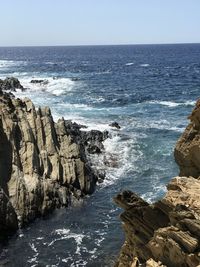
(42, 163)
(167, 233)
(187, 150)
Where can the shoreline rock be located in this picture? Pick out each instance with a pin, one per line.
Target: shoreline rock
(167, 232)
(42, 163)
(40, 82)
(10, 84)
(115, 125)
(187, 150)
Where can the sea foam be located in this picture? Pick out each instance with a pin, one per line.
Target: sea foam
(55, 86)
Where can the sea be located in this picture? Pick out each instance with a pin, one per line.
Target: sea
(149, 90)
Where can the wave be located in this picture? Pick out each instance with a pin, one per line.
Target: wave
(103, 72)
(121, 155)
(161, 125)
(173, 104)
(55, 86)
(6, 64)
(129, 64)
(76, 106)
(144, 65)
(157, 189)
(34, 258)
(63, 234)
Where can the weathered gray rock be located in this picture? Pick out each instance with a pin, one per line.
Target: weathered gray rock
(10, 84)
(115, 125)
(41, 164)
(41, 82)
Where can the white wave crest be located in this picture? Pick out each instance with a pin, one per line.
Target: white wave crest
(173, 104)
(144, 65)
(176, 126)
(64, 234)
(6, 64)
(55, 86)
(129, 64)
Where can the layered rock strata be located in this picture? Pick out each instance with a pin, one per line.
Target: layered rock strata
(187, 150)
(167, 233)
(41, 163)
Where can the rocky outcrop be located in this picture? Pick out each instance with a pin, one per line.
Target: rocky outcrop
(91, 140)
(115, 125)
(42, 163)
(187, 150)
(41, 82)
(10, 84)
(167, 233)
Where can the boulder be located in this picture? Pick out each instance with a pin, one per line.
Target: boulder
(41, 82)
(115, 125)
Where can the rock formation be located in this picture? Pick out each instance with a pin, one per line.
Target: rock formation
(187, 150)
(41, 162)
(10, 84)
(167, 233)
(41, 82)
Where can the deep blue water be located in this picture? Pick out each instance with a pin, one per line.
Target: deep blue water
(149, 90)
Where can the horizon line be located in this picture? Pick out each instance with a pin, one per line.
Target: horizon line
(86, 45)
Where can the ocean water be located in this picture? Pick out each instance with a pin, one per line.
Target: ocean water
(149, 90)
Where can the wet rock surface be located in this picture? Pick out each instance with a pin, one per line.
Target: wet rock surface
(115, 125)
(41, 82)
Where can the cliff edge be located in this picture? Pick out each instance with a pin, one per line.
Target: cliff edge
(42, 163)
(167, 233)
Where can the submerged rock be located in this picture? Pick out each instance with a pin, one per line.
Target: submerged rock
(42, 163)
(115, 125)
(43, 82)
(10, 84)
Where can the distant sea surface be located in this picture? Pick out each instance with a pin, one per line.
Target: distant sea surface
(149, 90)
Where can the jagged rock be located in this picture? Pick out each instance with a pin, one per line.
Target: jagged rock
(91, 140)
(166, 231)
(44, 82)
(10, 84)
(41, 163)
(187, 149)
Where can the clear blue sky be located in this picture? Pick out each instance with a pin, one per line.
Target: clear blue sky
(77, 22)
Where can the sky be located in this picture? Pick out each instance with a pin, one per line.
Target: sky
(98, 22)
